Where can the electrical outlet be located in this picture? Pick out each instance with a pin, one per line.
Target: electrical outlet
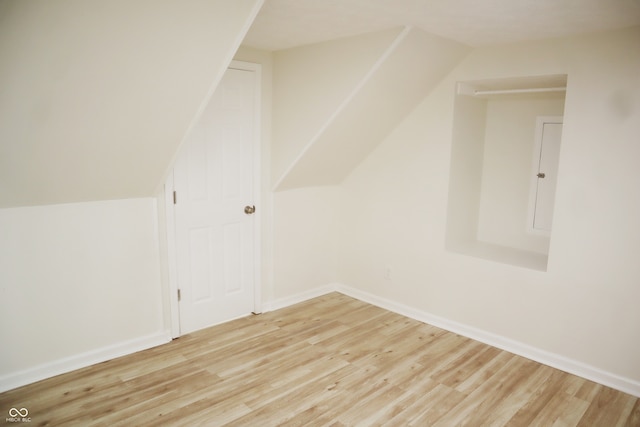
(387, 273)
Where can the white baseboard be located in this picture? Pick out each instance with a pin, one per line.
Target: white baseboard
(580, 369)
(71, 363)
(546, 358)
(295, 299)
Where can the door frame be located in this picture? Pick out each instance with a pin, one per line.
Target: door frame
(174, 307)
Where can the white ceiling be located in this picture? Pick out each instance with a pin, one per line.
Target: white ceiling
(283, 24)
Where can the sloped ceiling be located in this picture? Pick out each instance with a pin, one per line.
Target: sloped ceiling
(309, 85)
(403, 75)
(282, 24)
(96, 96)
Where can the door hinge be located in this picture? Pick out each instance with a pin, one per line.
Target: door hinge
(179, 296)
(175, 197)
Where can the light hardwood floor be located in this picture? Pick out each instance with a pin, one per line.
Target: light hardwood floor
(330, 361)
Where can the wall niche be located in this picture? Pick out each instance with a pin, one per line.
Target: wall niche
(495, 176)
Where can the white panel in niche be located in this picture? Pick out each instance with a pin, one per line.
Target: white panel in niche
(544, 173)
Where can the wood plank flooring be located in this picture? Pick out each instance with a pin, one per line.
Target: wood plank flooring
(331, 361)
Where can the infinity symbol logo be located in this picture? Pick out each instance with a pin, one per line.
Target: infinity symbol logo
(22, 412)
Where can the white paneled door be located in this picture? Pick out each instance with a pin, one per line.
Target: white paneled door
(214, 180)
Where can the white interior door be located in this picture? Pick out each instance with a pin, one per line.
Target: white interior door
(214, 179)
(548, 156)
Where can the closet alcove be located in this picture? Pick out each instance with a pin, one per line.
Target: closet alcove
(504, 162)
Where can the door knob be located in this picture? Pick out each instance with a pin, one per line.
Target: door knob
(541, 175)
(249, 209)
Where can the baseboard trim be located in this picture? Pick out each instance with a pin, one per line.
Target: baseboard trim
(553, 360)
(71, 363)
(297, 298)
(562, 363)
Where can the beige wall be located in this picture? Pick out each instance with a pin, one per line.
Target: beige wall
(333, 103)
(80, 283)
(584, 308)
(309, 84)
(465, 174)
(306, 239)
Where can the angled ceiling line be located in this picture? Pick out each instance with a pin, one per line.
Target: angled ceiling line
(385, 55)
